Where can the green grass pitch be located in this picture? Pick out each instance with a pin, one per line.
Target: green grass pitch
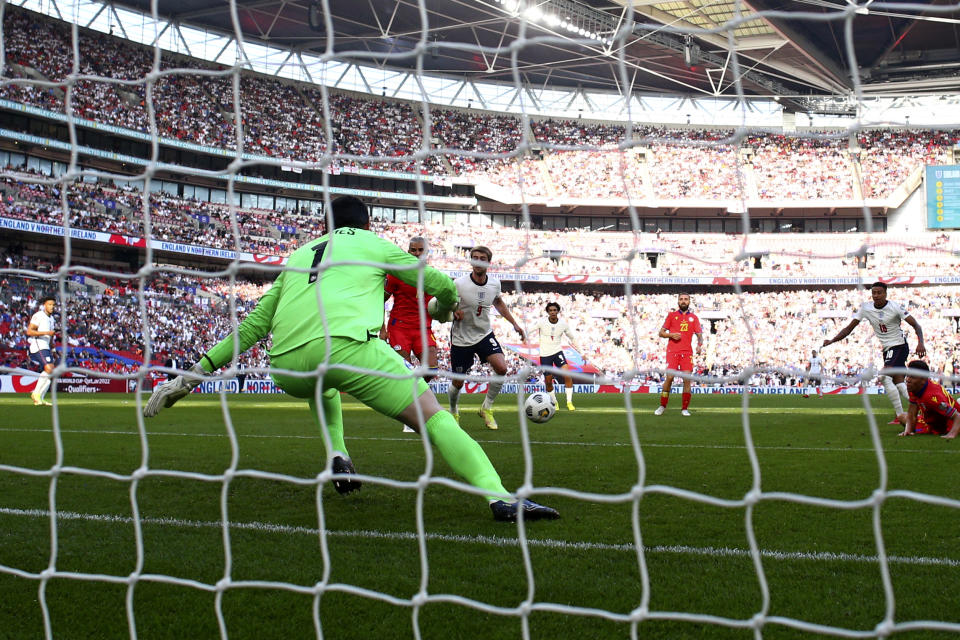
(585, 575)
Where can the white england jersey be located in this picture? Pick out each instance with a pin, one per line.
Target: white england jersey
(816, 364)
(43, 322)
(885, 322)
(551, 334)
(475, 302)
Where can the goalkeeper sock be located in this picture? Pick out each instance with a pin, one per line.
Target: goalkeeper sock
(454, 395)
(553, 396)
(463, 454)
(333, 414)
(569, 391)
(893, 394)
(664, 398)
(493, 390)
(685, 401)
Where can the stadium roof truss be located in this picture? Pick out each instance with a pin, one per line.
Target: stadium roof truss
(567, 56)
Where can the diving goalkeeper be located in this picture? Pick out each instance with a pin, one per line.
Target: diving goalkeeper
(321, 331)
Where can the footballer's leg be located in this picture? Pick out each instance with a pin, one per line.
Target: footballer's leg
(461, 359)
(306, 358)
(568, 389)
(685, 398)
(893, 395)
(499, 366)
(548, 385)
(664, 395)
(333, 417)
(392, 398)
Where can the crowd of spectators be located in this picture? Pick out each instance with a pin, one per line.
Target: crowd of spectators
(115, 210)
(570, 159)
(574, 252)
(771, 330)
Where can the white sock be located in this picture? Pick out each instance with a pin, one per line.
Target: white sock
(553, 396)
(42, 385)
(454, 395)
(569, 390)
(902, 386)
(893, 394)
(493, 390)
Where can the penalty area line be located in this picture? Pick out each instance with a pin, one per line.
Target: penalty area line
(496, 541)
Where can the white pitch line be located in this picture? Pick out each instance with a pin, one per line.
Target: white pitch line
(495, 541)
(552, 443)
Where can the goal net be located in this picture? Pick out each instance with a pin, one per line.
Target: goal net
(155, 185)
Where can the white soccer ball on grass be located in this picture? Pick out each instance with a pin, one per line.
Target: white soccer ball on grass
(539, 407)
(432, 310)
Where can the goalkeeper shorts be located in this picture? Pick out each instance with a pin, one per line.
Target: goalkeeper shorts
(388, 395)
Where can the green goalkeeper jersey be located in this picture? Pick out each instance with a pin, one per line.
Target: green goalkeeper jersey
(350, 300)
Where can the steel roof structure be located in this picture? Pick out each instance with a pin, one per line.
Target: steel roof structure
(801, 51)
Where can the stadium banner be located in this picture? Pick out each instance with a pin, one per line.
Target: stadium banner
(443, 386)
(68, 383)
(943, 196)
(77, 383)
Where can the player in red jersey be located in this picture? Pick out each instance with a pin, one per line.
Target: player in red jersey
(402, 330)
(932, 409)
(679, 328)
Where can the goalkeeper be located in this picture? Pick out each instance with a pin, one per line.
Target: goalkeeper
(328, 315)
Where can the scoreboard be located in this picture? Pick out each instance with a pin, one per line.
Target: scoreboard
(943, 196)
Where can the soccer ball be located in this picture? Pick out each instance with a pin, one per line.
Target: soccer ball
(539, 408)
(432, 310)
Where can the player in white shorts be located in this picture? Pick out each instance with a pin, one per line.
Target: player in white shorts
(40, 334)
(551, 331)
(472, 333)
(885, 317)
(814, 368)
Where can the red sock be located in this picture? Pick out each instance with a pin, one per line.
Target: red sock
(686, 400)
(664, 398)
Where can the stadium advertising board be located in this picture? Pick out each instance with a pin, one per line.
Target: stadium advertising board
(943, 197)
(68, 383)
(578, 279)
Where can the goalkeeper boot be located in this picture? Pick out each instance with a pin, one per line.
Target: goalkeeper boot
(570, 406)
(488, 419)
(507, 511)
(685, 413)
(659, 411)
(344, 485)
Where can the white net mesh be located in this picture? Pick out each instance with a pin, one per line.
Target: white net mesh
(199, 255)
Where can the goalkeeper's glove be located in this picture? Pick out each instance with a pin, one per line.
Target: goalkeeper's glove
(167, 394)
(441, 312)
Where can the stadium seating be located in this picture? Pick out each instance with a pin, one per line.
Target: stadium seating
(580, 160)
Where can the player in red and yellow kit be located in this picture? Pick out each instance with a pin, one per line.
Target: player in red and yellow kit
(932, 409)
(679, 328)
(402, 330)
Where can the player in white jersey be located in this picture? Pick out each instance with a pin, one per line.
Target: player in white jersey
(472, 333)
(40, 334)
(551, 331)
(885, 317)
(814, 368)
